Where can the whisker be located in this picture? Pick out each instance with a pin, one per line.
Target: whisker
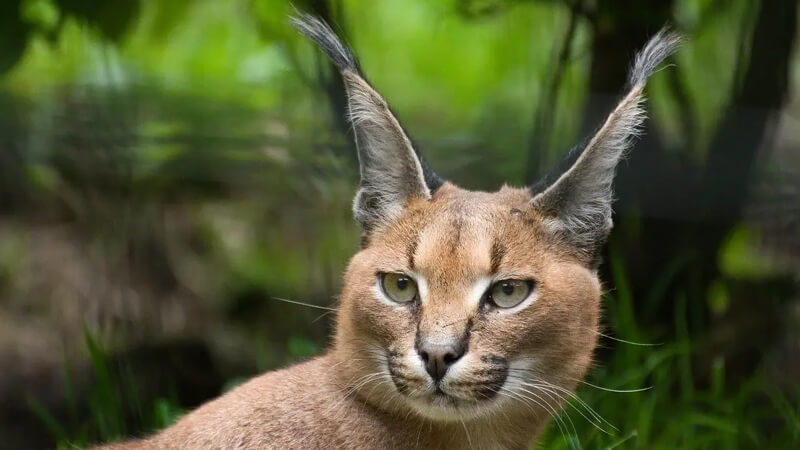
(618, 391)
(555, 413)
(469, 440)
(551, 392)
(295, 302)
(554, 395)
(322, 315)
(574, 396)
(522, 399)
(539, 383)
(419, 432)
(625, 341)
(387, 380)
(354, 387)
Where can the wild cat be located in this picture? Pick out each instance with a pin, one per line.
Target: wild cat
(466, 319)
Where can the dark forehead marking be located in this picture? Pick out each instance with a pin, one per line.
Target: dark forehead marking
(496, 256)
(458, 224)
(411, 250)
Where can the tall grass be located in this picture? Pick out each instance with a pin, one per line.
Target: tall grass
(115, 405)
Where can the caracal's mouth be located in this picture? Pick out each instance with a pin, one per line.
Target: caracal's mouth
(441, 402)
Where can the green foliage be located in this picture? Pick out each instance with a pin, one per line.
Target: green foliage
(739, 256)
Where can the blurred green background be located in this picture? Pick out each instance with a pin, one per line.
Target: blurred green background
(168, 167)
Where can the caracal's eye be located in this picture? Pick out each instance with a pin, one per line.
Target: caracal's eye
(398, 287)
(510, 293)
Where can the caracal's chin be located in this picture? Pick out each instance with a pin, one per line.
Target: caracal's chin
(441, 406)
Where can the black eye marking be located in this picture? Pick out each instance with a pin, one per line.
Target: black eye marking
(402, 381)
(496, 256)
(457, 224)
(411, 251)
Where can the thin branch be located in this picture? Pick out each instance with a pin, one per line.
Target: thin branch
(543, 116)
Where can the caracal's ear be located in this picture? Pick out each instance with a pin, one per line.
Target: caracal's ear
(391, 171)
(577, 204)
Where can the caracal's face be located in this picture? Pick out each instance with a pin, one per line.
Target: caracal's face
(463, 305)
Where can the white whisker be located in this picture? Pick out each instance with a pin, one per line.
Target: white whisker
(551, 392)
(295, 302)
(618, 391)
(469, 440)
(596, 418)
(624, 341)
(555, 412)
(522, 399)
(580, 401)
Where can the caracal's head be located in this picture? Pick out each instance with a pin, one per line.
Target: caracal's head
(462, 304)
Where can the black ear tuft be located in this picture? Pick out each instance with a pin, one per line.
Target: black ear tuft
(322, 35)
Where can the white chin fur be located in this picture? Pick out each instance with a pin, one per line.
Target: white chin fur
(446, 410)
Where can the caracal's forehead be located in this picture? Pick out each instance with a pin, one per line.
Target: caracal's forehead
(462, 235)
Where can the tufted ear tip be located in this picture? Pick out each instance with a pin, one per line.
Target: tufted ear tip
(658, 48)
(321, 34)
(577, 204)
(391, 170)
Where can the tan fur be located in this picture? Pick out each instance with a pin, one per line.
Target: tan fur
(334, 402)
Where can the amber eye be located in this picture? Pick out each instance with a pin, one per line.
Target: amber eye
(398, 287)
(510, 293)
